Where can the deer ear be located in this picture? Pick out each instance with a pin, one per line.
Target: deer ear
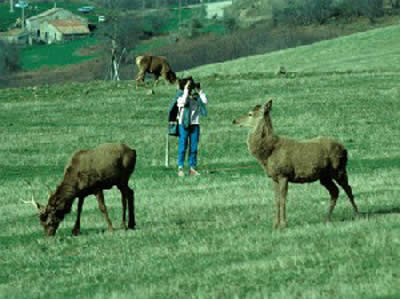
(268, 106)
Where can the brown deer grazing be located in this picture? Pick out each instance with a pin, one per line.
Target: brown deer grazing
(156, 65)
(90, 172)
(286, 160)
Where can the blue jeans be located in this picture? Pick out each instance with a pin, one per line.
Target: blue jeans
(193, 134)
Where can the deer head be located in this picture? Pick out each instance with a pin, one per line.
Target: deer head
(171, 77)
(49, 224)
(250, 119)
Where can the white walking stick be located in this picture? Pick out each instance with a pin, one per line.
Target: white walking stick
(167, 151)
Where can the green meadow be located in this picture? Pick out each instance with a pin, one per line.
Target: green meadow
(55, 55)
(211, 236)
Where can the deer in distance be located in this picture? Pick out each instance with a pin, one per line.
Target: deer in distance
(156, 65)
(290, 161)
(89, 172)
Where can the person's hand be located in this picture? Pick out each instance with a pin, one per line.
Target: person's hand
(187, 85)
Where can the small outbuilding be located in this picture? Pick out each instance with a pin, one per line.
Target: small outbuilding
(63, 30)
(38, 25)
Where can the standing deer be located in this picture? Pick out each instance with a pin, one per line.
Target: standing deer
(90, 172)
(286, 160)
(156, 65)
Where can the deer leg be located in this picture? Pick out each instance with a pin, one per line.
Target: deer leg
(130, 196)
(283, 189)
(77, 227)
(155, 82)
(103, 209)
(344, 183)
(123, 200)
(278, 205)
(140, 78)
(334, 193)
(164, 74)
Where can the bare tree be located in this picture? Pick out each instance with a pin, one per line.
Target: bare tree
(121, 33)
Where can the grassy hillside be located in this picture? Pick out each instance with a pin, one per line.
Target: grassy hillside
(371, 50)
(54, 55)
(211, 236)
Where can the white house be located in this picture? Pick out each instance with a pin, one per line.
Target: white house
(36, 25)
(61, 30)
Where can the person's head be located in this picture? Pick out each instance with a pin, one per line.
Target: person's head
(192, 84)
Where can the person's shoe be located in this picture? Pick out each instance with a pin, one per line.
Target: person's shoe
(193, 172)
(181, 173)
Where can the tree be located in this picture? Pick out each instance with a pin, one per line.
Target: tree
(121, 33)
(372, 9)
(9, 58)
(395, 3)
(121, 4)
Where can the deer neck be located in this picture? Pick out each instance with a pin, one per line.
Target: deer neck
(262, 140)
(61, 201)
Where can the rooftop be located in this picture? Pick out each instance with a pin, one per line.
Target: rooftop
(71, 26)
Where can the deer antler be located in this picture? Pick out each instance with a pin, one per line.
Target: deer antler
(32, 201)
(49, 192)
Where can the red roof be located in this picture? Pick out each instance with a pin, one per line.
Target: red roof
(72, 26)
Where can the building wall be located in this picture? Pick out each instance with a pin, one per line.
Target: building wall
(35, 26)
(49, 34)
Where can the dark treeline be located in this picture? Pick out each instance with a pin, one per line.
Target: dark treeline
(306, 12)
(208, 49)
(140, 4)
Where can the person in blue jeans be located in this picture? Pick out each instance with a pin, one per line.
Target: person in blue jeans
(189, 122)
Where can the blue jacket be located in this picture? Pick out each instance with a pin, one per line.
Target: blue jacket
(173, 110)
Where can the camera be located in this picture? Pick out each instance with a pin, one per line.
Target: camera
(193, 85)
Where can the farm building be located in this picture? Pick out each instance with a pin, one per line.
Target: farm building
(41, 26)
(61, 30)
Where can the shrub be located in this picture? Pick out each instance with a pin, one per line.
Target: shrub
(191, 28)
(306, 12)
(301, 12)
(9, 58)
(231, 23)
(188, 53)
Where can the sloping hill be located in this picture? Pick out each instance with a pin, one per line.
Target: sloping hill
(211, 236)
(372, 50)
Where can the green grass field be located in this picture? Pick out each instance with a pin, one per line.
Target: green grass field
(211, 236)
(55, 55)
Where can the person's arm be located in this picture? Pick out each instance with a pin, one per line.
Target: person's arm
(203, 97)
(181, 102)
